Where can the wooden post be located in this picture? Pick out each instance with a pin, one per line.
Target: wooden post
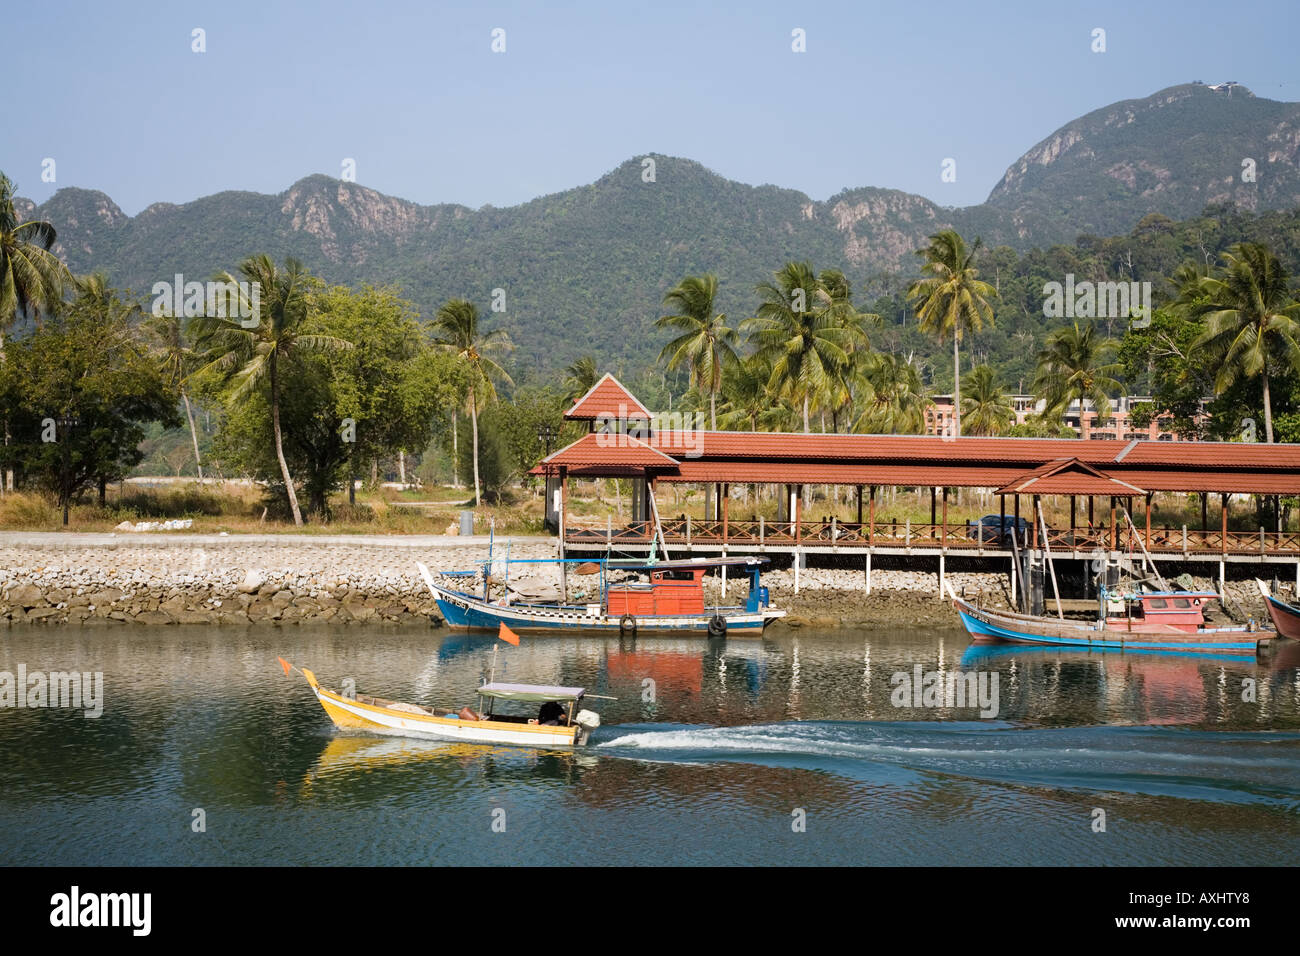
(859, 506)
(1073, 546)
(1038, 510)
(1224, 522)
(762, 531)
(796, 502)
(1148, 539)
(1114, 528)
(1016, 531)
(941, 570)
(871, 528)
(726, 499)
(943, 537)
(932, 513)
(1205, 509)
(1297, 572)
(688, 532)
(564, 527)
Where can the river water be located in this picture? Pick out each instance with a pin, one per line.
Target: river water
(793, 749)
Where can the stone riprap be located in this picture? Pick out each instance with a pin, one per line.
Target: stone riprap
(286, 579)
(235, 579)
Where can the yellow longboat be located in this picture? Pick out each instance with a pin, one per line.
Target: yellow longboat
(556, 726)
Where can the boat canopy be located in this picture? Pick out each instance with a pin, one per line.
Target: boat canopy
(530, 692)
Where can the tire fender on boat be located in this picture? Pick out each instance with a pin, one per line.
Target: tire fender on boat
(717, 626)
(626, 624)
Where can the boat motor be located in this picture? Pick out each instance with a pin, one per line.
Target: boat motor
(587, 720)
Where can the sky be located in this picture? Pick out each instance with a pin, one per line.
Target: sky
(414, 94)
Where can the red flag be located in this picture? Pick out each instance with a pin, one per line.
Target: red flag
(507, 635)
(284, 664)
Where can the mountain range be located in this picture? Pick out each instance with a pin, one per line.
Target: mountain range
(585, 270)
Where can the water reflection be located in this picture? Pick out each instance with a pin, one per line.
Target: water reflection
(702, 757)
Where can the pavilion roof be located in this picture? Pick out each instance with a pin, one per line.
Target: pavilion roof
(607, 397)
(1068, 476)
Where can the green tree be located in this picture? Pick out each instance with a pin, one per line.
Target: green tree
(802, 330)
(32, 278)
(1250, 320)
(456, 326)
(579, 379)
(950, 298)
(987, 408)
(80, 389)
(177, 360)
(747, 402)
(1077, 364)
(250, 356)
(895, 400)
(705, 343)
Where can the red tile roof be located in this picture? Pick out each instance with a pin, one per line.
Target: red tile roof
(1068, 476)
(607, 397)
(615, 450)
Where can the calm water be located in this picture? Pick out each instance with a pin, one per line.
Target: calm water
(743, 739)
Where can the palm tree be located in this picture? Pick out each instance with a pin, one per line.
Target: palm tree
(457, 325)
(177, 360)
(579, 379)
(250, 356)
(1250, 320)
(31, 277)
(802, 328)
(895, 399)
(706, 343)
(987, 409)
(1076, 365)
(747, 403)
(950, 298)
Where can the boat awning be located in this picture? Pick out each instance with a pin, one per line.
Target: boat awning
(531, 692)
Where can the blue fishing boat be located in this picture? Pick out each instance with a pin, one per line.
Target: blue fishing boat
(1149, 620)
(608, 596)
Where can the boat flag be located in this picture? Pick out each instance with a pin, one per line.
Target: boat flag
(507, 635)
(284, 664)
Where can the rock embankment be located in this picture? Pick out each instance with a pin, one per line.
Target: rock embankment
(283, 579)
(185, 583)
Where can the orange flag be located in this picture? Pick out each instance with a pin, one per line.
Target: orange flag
(507, 635)
(284, 664)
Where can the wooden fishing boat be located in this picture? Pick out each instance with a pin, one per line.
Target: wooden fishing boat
(1152, 620)
(1286, 617)
(468, 725)
(670, 601)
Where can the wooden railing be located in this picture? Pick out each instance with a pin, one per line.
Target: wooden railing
(891, 533)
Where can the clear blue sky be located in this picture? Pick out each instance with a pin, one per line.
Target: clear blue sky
(413, 92)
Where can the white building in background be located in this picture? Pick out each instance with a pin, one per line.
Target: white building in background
(939, 418)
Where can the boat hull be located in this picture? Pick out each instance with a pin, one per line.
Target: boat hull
(470, 614)
(1286, 617)
(352, 714)
(987, 627)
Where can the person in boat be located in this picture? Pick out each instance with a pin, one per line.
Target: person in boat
(550, 714)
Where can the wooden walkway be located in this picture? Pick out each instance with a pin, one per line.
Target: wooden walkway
(909, 537)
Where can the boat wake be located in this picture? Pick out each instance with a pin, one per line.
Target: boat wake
(1224, 767)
